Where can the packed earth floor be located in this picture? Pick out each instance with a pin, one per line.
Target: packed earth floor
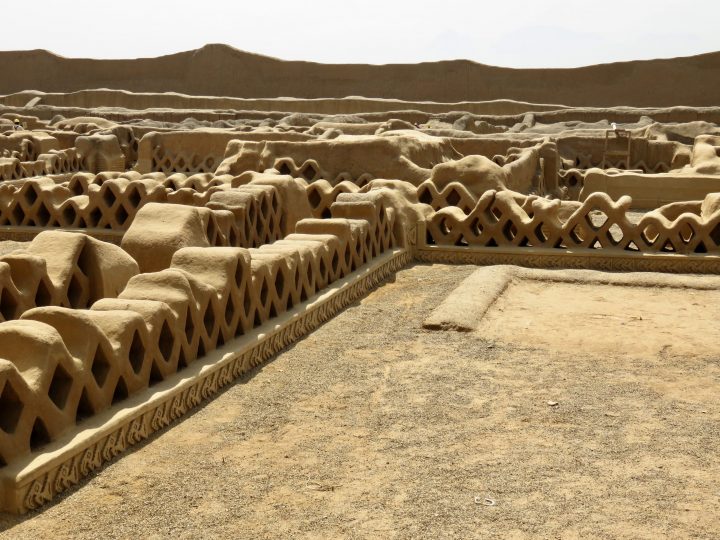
(374, 427)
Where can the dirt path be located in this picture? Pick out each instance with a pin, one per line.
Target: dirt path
(375, 428)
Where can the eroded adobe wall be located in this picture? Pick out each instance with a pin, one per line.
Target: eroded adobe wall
(238, 238)
(64, 363)
(640, 83)
(501, 219)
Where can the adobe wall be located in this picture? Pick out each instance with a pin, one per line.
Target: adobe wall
(204, 72)
(232, 241)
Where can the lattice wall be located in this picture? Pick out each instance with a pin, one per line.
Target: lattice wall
(61, 269)
(599, 223)
(61, 365)
(111, 201)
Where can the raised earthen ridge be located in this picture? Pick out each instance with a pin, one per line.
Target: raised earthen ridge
(220, 70)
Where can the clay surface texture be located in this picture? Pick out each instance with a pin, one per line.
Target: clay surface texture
(479, 313)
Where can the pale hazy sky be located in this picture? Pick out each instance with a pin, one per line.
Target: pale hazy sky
(514, 33)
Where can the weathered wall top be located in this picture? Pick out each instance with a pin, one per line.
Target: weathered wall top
(220, 70)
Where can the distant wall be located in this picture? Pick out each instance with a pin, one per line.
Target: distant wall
(93, 98)
(650, 191)
(223, 71)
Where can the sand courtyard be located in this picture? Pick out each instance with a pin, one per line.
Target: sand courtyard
(518, 430)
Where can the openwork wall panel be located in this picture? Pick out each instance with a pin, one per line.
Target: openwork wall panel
(498, 220)
(75, 357)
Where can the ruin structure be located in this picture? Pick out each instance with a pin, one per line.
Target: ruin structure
(154, 247)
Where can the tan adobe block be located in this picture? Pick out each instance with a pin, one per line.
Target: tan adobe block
(244, 207)
(260, 292)
(214, 266)
(129, 339)
(18, 413)
(309, 169)
(224, 235)
(29, 276)
(7, 199)
(107, 267)
(710, 206)
(74, 213)
(79, 182)
(187, 196)
(33, 168)
(159, 230)
(208, 312)
(100, 153)
(200, 182)
(292, 199)
(226, 271)
(452, 194)
(11, 299)
(284, 285)
(174, 289)
(356, 209)
(215, 231)
(352, 234)
(321, 194)
(325, 255)
(39, 387)
(81, 268)
(61, 251)
(10, 168)
(59, 161)
(303, 255)
(398, 208)
(379, 230)
(100, 363)
(234, 309)
(35, 203)
(163, 342)
(258, 215)
(104, 176)
(266, 215)
(118, 200)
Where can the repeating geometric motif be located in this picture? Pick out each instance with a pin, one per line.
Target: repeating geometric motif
(498, 220)
(95, 202)
(163, 321)
(73, 276)
(309, 169)
(54, 162)
(453, 194)
(311, 172)
(110, 201)
(182, 162)
(40, 489)
(321, 195)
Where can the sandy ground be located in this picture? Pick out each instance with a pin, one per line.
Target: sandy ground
(639, 321)
(375, 428)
